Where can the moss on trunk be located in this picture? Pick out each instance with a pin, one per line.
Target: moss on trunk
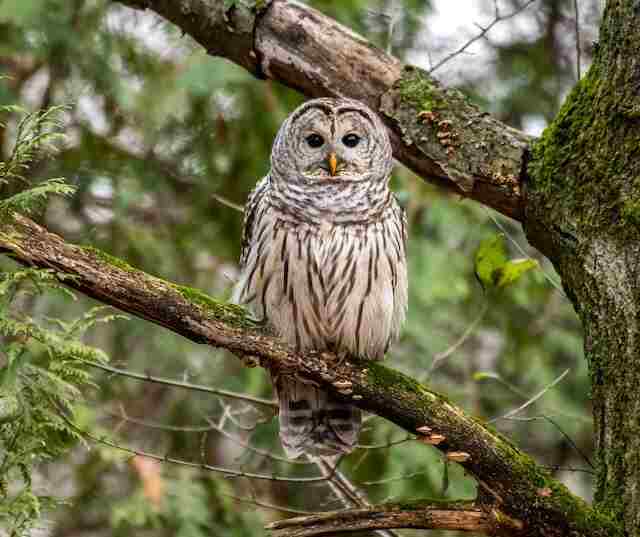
(583, 209)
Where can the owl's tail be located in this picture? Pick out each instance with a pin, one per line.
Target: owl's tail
(314, 421)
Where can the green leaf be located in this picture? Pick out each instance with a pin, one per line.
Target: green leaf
(512, 270)
(482, 375)
(491, 256)
(493, 268)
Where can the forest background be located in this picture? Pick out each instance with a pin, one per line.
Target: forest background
(162, 143)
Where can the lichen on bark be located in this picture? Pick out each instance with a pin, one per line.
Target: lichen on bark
(467, 144)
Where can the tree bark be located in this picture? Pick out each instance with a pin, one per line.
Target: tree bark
(525, 496)
(417, 515)
(583, 212)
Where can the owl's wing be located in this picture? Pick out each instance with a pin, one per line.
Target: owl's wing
(250, 211)
(403, 220)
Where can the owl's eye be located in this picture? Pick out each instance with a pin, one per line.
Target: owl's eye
(315, 140)
(351, 140)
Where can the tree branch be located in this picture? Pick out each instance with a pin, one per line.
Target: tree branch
(508, 479)
(461, 516)
(435, 131)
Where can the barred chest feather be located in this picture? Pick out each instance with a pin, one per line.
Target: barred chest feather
(341, 287)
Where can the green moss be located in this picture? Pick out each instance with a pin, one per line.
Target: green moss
(417, 89)
(421, 504)
(387, 379)
(562, 136)
(216, 309)
(107, 258)
(631, 212)
(587, 159)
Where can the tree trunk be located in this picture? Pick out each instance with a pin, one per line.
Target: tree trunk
(583, 212)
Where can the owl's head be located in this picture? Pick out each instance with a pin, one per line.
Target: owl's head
(332, 140)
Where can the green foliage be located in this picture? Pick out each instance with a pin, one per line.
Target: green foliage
(42, 379)
(36, 135)
(42, 363)
(193, 506)
(494, 269)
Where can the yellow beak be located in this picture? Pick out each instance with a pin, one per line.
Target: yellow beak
(333, 164)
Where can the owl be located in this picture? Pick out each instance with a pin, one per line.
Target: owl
(323, 259)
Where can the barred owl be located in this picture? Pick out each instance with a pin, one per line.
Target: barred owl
(323, 259)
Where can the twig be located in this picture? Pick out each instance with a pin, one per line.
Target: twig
(186, 385)
(155, 425)
(166, 458)
(483, 31)
(570, 469)
(252, 449)
(202, 429)
(562, 432)
(577, 26)
(440, 357)
(227, 203)
(531, 400)
(267, 505)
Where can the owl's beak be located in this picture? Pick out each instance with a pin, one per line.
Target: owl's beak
(333, 164)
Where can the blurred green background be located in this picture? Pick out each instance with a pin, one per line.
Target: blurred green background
(160, 141)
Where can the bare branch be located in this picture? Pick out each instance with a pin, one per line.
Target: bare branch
(267, 505)
(227, 203)
(440, 357)
(181, 462)
(533, 399)
(261, 452)
(454, 516)
(186, 385)
(484, 30)
(124, 417)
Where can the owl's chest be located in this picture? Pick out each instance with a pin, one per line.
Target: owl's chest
(327, 255)
(327, 285)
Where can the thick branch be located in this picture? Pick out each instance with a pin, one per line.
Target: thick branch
(419, 515)
(508, 478)
(436, 132)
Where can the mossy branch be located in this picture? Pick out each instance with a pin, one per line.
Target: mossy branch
(436, 132)
(509, 480)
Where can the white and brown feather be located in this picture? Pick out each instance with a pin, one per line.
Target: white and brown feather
(324, 263)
